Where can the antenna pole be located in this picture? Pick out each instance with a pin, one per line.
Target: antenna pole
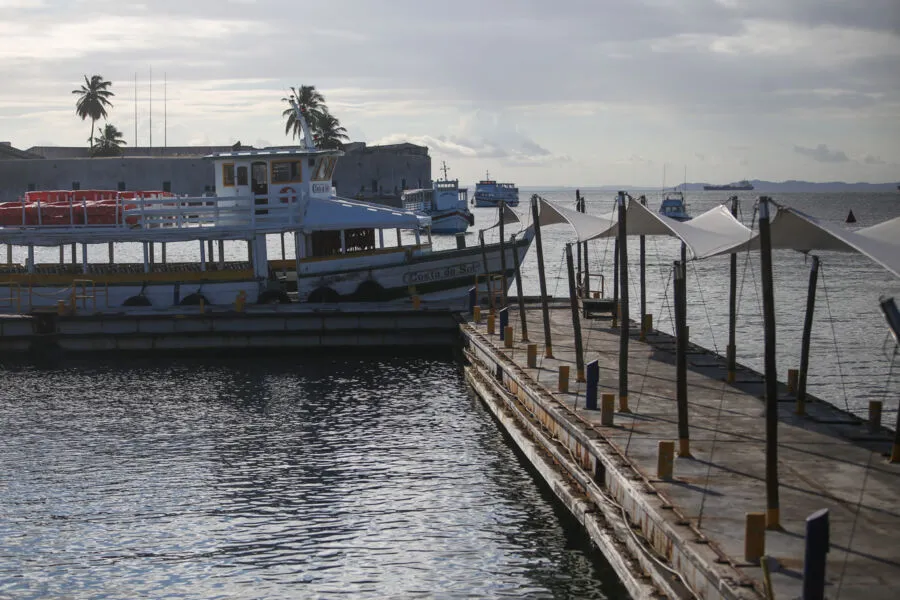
(151, 110)
(165, 113)
(135, 110)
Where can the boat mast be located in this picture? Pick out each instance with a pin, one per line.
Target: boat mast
(444, 169)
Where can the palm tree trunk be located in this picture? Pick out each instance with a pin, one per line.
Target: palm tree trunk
(91, 139)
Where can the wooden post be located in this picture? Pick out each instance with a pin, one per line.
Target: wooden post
(283, 253)
(503, 280)
(576, 319)
(209, 251)
(587, 266)
(622, 240)
(563, 383)
(163, 249)
(643, 257)
(531, 353)
(607, 409)
(807, 335)
(62, 255)
(579, 279)
(519, 297)
(665, 459)
(545, 310)
(754, 537)
(73, 254)
(221, 252)
(487, 272)
(731, 349)
(9, 254)
(681, 395)
(773, 520)
(152, 247)
(616, 274)
(111, 253)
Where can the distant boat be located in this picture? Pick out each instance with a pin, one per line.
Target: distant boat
(446, 203)
(490, 193)
(674, 207)
(742, 185)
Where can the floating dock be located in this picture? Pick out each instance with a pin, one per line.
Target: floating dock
(694, 532)
(218, 329)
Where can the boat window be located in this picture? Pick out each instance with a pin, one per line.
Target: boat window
(359, 240)
(324, 169)
(242, 175)
(228, 174)
(287, 171)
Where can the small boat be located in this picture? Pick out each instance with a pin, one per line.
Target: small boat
(674, 207)
(490, 193)
(343, 250)
(445, 203)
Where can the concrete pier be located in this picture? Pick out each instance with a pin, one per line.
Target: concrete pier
(692, 534)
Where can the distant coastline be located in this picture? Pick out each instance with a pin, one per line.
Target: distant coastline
(759, 186)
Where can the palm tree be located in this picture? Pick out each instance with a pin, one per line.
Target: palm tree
(329, 132)
(109, 143)
(312, 105)
(93, 98)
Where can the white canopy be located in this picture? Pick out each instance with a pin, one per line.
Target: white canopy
(509, 217)
(586, 226)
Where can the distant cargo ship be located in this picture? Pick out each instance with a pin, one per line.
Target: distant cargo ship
(743, 185)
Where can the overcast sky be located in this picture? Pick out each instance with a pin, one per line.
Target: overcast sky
(571, 92)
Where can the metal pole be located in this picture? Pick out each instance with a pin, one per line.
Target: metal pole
(731, 350)
(111, 253)
(545, 310)
(807, 334)
(681, 395)
(519, 296)
(163, 249)
(622, 240)
(73, 254)
(503, 280)
(643, 253)
(616, 274)
(576, 320)
(773, 520)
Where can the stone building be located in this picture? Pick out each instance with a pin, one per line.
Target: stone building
(376, 173)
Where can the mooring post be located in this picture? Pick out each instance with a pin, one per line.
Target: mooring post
(807, 335)
(593, 383)
(580, 280)
(773, 520)
(536, 220)
(576, 319)
(487, 273)
(684, 443)
(519, 297)
(473, 299)
(643, 257)
(817, 546)
(615, 276)
(504, 322)
(587, 266)
(622, 240)
(503, 280)
(731, 350)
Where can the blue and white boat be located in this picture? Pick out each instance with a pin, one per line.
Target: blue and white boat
(445, 203)
(674, 206)
(490, 193)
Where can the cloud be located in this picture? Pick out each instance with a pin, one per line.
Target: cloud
(822, 153)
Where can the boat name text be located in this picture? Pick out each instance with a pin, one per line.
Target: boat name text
(451, 272)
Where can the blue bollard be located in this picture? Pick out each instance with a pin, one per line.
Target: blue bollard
(473, 296)
(592, 374)
(504, 321)
(817, 546)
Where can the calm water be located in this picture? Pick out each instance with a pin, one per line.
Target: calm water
(851, 355)
(318, 478)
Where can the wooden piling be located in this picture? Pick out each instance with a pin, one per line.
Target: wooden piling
(587, 266)
(579, 279)
(545, 309)
(622, 239)
(503, 279)
(607, 409)
(508, 337)
(773, 520)
(576, 319)
(681, 360)
(807, 334)
(532, 356)
(875, 415)
(563, 383)
(755, 537)
(731, 349)
(665, 460)
(643, 275)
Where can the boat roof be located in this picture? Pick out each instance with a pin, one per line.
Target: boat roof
(281, 151)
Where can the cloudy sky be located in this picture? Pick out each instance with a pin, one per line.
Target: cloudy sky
(572, 92)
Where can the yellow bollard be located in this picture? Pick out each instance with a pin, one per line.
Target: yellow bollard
(491, 320)
(241, 301)
(563, 385)
(773, 519)
(755, 537)
(684, 448)
(579, 376)
(60, 307)
(665, 460)
(532, 356)
(416, 302)
(793, 380)
(874, 415)
(202, 306)
(476, 314)
(607, 409)
(623, 404)
(508, 336)
(548, 351)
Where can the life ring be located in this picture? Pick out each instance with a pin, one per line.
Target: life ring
(288, 199)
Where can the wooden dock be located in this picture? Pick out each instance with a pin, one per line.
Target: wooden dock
(686, 536)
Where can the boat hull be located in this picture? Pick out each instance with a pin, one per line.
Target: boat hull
(493, 203)
(451, 222)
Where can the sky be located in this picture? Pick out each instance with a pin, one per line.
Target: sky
(571, 92)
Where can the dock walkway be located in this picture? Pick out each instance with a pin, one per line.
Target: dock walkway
(696, 521)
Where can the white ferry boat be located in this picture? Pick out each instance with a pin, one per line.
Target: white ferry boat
(445, 203)
(340, 248)
(674, 206)
(490, 193)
